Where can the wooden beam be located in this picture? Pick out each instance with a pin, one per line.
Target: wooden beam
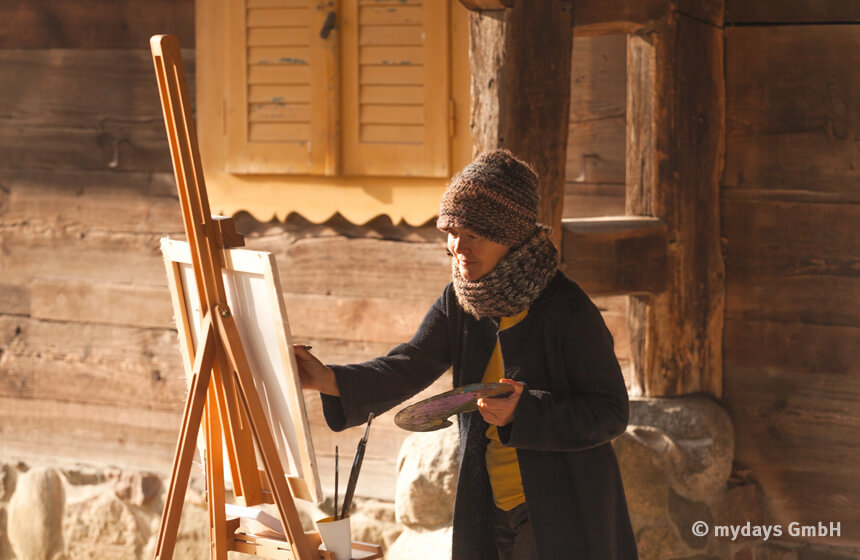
(520, 61)
(483, 5)
(607, 17)
(615, 255)
(675, 149)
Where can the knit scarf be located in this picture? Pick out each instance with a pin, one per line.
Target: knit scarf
(514, 283)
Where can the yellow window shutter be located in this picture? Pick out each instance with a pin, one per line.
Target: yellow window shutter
(396, 87)
(281, 101)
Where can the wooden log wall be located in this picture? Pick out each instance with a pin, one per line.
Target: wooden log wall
(90, 369)
(790, 214)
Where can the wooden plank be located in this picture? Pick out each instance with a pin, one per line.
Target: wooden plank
(96, 364)
(136, 305)
(792, 11)
(586, 200)
(789, 117)
(113, 144)
(807, 497)
(596, 151)
(267, 37)
(598, 77)
(622, 255)
(674, 163)
(98, 434)
(520, 64)
(326, 265)
(391, 75)
(92, 24)
(791, 239)
(39, 251)
(132, 202)
(756, 294)
(601, 17)
(281, 93)
(279, 55)
(55, 87)
(278, 17)
(356, 319)
(14, 299)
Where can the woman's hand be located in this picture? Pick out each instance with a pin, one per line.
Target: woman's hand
(313, 374)
(500, 411)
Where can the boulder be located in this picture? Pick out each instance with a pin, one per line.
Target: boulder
(97, 524)
(417, 544)
(36, 516)
(692, 439)
(427, 479)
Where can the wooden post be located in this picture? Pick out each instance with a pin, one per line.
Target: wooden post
(520, 60)
(675, 149)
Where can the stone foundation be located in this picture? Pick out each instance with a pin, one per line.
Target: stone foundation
(676, 459)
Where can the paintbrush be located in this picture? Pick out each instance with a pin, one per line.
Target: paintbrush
(335, 482)
(356, 467)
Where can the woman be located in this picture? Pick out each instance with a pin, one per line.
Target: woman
(538, 477)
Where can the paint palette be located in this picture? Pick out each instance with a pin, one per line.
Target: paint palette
(432, 414)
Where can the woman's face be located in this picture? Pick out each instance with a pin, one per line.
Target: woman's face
(476, 256)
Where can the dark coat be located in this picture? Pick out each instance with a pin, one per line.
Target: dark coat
(575, 402)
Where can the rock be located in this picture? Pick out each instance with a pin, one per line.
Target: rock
(740, 504)
(36, 516)
(427, 479)
(97, 524)
(645, 484)
(769, 551)
(693, 438)
(373, 521)
(657, 543)
(7, 482)
(684, 514)
(415, 544)
(134, 487)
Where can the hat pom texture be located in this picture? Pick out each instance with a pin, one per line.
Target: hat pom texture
(495, 196)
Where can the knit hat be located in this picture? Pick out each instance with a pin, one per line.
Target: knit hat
(495, 197)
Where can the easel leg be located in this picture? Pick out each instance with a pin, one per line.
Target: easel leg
(187, 442)
(215, 476)
(301, 546)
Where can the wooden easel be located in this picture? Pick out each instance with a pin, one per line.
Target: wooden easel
(222, 387)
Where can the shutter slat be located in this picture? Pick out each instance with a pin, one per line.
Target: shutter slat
(278, 36)
(279, 132)
(279, 55)
(280, 74)
(391, 35)
(392, 134)
(393, 75)
(280, 112)
(392, 114)
(395, 95)
(278, 3)
(280, 93)
(278, 17)
(392, 15)
(394, 56)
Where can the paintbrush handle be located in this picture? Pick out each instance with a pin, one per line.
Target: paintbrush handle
(353, 479)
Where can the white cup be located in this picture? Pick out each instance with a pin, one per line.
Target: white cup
(336, 536)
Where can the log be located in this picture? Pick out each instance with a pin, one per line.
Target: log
(92, 24)
(675, 147)
(96, 364)
(586, 200)
(790, 118)
(615, 256)
(792, 11)
(603, 17)
(520, 61)
(89, 433)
